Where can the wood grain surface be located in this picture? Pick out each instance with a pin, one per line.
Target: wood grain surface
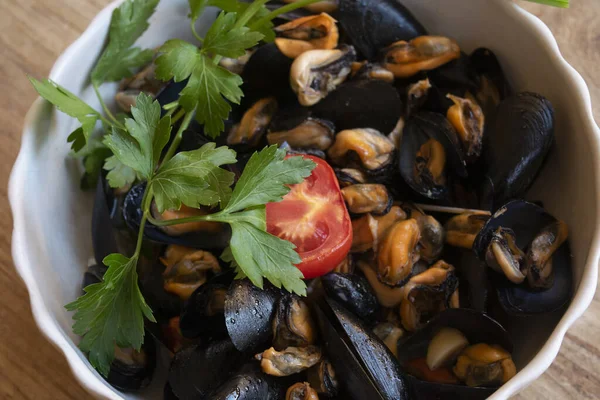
(32, 35)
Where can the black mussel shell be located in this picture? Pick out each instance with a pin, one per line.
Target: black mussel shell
(418, 130)
(484, 64)
(457, 74)
(197, 320)
(361, 104)
(422, 390)
(249, 313)
(368, 368)
(103, 230)
(129, 377)
(196, 370)
(168, 393)
(515, 146)
(250, 383)
(372, 25)
(266, 74)
(170, 93)
(94, 274)
(474, 282)
(132, 213)
(526, 220)
(353, 292)
(165, 305)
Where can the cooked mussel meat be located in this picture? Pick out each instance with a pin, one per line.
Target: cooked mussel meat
(405, 59)
(203, 314)
(301, 391)
(365, 198)
(187, 269)
(432, 238)
(373, 25)
(462, 229)
(323, 379)
(315, 32)
(254, 123)
(386, 296)
(398, 252)
(492, 86)
(365, 148)
(389, 334)
(427, 294)
(315, 73)
(504, 256)
(539, 256)
(144, 81)
(353, 292)
(289, 361)
(515, 146)
(312, 133)
(375, 71)
(467, 118)
(416, 95)
(430, 154)
(293, 325)
(484, 365)
(350, 176)
(368, 230)
(236, 65)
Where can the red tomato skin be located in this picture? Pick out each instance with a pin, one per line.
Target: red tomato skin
(314, 217)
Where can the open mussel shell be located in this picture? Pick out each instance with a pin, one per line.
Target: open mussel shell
(132, 213)
(477, 328)
(203, 313)
(132, 370)
(369, 369)
(164, 304)
(420, 129)
(197, 370)
(249, 313)
(375, 24)
(515, 145)
(526, 220)
(492, 84)
(457, 74)
(250, 383)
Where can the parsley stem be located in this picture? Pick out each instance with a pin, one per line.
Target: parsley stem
(105, 108)
(179, 221)
(178, 116)
(247, 15)
(195, 33)
(281, 10)
(146, 201)
(171, 105)
(177, 139)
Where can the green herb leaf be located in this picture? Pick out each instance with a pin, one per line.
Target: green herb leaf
(194, 178)
(208, 85)
(119, 175)
(259, 254)
(196, 8)
(127, 24)
(71, 105)
(554, 3)
(235, 6)
(265, 178)
(224, 39)
(111, 312)
(141, 145)
(93, 156)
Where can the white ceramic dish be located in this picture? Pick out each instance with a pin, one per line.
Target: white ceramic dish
(52, 241)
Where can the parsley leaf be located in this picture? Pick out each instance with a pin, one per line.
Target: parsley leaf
(147, 134)
(71, 105)
(265, 178)
(119, 175)
(93, 156)
(194, 178)
(225, 40)
(235, 6)
(111, 312)
(127, 24)
(208, 87)
(259, 254)
(196, 8)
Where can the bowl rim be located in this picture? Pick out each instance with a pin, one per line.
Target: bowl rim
(91, 380)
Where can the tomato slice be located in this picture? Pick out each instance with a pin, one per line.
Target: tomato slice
(314, 217)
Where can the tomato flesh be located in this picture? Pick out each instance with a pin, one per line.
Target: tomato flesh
(313, 216)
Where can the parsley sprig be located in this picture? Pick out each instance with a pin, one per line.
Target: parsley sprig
(133, 149)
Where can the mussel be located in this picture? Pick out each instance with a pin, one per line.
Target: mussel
(200, 236)
(515, 146)
(145, 81)
(371, 71)
(365, 198)
(322, 378)
(309, 133)
(301, 391)
(293, 325)
(315, 73)
(132, 370)
(368, 230)
(204, 313)
(430, 155)
(373, 25)
(518, 236)
(249, 383)
(364, 148)
(370, 371)
(353, 292)
(398, 252)
(362, 104)
(288, 361)
(315, 32)
(254, 123)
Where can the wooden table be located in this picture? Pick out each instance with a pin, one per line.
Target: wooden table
(34, 32)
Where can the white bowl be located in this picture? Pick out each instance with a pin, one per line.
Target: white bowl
(52, 241)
